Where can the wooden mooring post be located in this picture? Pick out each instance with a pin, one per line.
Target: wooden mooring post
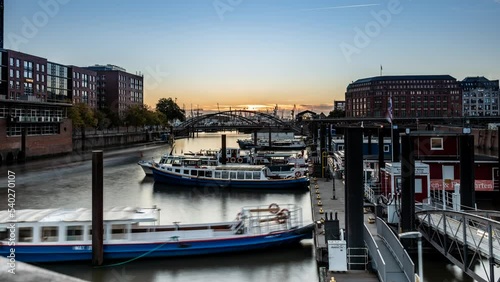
(97, 208)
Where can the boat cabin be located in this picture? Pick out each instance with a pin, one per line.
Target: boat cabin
(53, 226)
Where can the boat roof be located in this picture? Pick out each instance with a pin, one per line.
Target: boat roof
(79, 215)
(240, 167)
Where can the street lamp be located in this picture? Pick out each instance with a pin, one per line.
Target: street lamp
(416, 234)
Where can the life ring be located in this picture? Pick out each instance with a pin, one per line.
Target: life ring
(240, 160)
(282, 216)
(274, 208)
(233, 159)
(298, 174)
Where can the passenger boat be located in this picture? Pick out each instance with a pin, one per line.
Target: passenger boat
(281, 144)
(230, 176)
(206, 157)
(56, 235)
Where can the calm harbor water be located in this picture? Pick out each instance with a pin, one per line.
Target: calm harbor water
(66, 182)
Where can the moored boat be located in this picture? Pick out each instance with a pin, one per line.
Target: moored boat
(231, 176)
(54, 235)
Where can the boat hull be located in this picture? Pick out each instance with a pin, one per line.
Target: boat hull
(271, 184)
(168, 248)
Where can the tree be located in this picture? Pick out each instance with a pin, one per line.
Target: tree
(337, 114)
(170, 110)
(135, 115)
(82, 116)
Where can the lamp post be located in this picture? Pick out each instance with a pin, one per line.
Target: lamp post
(416, 234)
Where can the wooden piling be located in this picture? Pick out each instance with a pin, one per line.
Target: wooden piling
(97, 208)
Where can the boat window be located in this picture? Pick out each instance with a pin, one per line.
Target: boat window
(118, 231)
(74, 233)
(25, 234)
(201, 173)
(49, 234)
(217, 174)
(208, 173)
(4, 234)
(256, 175)
(177, 170)
(186, 171)
(232, 174)
(241, 175)
(193, 172)
(225, 174)
(248, 175)
(341, 147)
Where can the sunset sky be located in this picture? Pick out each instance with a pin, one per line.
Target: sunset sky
(258, 53)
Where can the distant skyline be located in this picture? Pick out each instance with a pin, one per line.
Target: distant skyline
(255, 54)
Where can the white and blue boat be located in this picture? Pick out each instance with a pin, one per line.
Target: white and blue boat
(57, 235)
(238, 176)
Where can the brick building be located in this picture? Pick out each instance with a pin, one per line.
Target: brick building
(412, 96)
(83, 86)
(118, 89)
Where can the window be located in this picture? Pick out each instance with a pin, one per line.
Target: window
(49, 234)
(118, 231)
(436, 143)
(225, 174)
(11, 62)
(256, 175)
(386, 148)
(25, 234)
(241, 175)
(74, 233)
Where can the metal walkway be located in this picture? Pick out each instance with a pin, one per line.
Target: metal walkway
(470, 239)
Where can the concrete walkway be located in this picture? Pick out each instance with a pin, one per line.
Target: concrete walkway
(24, 272)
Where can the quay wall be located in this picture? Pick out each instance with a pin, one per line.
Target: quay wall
(107, 140)
(36, 145)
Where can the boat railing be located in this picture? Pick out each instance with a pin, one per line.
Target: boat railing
(272, 218)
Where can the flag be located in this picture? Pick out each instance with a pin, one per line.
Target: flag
(389, 110)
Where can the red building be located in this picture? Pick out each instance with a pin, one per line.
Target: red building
(118, 89)
(440, 151)
(412, 96)
(83, 86)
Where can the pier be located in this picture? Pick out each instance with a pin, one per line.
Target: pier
(323, 188)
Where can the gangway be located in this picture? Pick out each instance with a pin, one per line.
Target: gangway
(469, 239)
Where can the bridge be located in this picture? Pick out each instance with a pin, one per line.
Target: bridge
(241, 120)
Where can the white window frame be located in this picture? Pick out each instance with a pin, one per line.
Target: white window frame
(433, 148)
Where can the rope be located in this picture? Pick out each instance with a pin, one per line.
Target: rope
(132, 259)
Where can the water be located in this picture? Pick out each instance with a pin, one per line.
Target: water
(66, 182)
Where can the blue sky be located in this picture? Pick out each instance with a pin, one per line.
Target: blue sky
(258, 53)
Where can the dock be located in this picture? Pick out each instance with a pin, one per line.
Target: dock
(330, 204)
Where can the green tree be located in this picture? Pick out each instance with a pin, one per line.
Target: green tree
(136, 115)
(336, 114)
(170, 110)
(82, 116)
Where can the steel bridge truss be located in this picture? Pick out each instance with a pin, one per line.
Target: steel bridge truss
(240, 115)
(470, 240)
